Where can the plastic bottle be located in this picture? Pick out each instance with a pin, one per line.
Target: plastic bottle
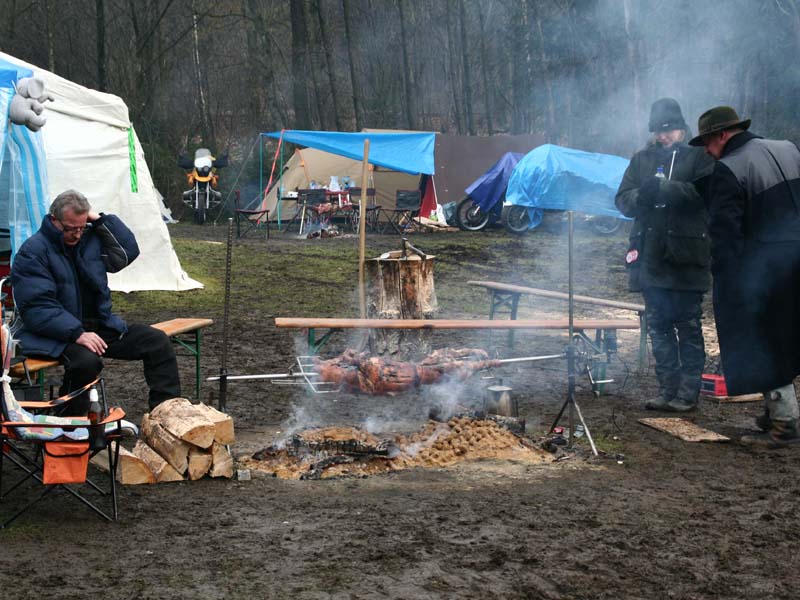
(660, 175)
(95, 415)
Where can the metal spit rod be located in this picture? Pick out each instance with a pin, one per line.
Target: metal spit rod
(300, 375)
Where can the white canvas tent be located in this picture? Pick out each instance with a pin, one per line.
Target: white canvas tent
(92, 147)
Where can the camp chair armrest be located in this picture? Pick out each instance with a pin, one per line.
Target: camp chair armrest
(38, 405)
(114, 415)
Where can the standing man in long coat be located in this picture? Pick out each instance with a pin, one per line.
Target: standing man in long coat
(754, 197)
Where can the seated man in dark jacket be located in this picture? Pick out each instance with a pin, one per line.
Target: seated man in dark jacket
(61, 291)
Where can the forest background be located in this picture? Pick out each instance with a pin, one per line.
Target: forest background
(583, 73)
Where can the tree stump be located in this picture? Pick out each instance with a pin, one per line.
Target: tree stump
(400, 285)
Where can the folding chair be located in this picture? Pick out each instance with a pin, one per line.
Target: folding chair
(402, 217)
(372, 209)
(55, 451)
(252, 218)
(310, 201)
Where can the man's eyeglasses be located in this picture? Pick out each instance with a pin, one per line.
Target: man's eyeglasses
(68, 229)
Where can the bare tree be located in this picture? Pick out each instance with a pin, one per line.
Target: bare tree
(299, 65)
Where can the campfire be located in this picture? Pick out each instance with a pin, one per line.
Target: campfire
(349, 451)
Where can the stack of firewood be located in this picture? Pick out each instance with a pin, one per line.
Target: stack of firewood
(179, 440)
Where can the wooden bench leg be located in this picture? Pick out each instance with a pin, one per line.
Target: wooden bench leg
(195, 349)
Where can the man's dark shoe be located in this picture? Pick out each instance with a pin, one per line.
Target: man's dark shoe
(657, 403)
(679, 405)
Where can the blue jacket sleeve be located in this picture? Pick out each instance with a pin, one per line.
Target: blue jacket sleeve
(35, 297)
(119, 247)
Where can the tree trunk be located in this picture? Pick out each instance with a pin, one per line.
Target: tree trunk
(205, 118)
(100, 27)
(548, 80)
(521, 78)
(352, 64)
(487, 94)
(299, 65)
(409, 83)
(400, 288)
(50, 17)
(467, 79)
(634, 66)
(326, 45)
(453, 64)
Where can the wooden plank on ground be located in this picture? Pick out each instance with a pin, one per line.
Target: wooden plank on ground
(683, 429)
(733, 399)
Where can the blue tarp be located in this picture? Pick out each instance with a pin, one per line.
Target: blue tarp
(553, 177)
(405, 152)
(23, 169)
(488, 189)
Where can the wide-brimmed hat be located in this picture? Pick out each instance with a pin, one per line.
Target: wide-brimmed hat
(666, 115)
(717, 119)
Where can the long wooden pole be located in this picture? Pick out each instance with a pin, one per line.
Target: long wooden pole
(362, 231)
(560, 324)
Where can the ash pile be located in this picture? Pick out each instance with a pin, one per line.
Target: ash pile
(352, 452)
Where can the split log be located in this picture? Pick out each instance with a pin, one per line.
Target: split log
(131, 469)
(221, 462)
(199, 463)
(172, 449)
(223, 424)
(183, 419)
(162, 471)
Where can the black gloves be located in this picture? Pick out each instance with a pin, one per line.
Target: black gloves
(648, 193)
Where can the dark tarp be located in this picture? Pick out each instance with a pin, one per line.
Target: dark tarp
(460, 159)
(490, 188)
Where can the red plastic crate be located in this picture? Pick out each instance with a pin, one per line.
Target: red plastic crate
(713, 385)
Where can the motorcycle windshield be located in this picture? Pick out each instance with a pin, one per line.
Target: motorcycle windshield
(490, 188)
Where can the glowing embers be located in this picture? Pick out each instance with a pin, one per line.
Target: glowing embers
(347, 451)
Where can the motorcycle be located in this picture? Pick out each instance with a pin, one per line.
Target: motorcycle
(203, 179)
(516, 220)
(485, 196)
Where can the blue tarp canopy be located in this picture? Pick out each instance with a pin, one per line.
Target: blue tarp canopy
(405, 152)
(23, 170)
(488, 189)
(558, 178)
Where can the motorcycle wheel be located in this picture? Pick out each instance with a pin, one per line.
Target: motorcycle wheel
(200, 216)
(470, 217)
(603, 225)
(515, 219)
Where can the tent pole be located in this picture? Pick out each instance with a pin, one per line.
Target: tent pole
(260, 162)
(362, 231)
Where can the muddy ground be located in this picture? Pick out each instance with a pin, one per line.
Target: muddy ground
(666, 519)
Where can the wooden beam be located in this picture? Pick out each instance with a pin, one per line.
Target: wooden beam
(305, 323)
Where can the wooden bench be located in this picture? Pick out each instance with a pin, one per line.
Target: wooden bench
(186, 333)
(311, 324)
(508, 295)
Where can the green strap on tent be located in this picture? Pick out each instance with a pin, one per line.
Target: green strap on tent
(132, 159)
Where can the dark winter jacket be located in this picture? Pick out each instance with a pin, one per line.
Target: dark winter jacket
(47, 290)
(754, 198)
(669, 242)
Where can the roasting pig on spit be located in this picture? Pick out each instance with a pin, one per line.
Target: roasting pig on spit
(377, 376)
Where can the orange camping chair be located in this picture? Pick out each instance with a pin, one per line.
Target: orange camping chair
(53, 453)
